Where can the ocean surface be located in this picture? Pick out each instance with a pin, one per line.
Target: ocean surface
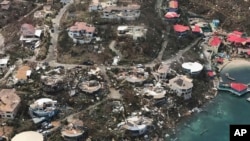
(225, 109)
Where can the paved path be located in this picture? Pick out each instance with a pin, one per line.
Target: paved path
(112, 47)
(52, 52)
(1, 42)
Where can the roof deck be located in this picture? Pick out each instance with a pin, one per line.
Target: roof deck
(235, 88)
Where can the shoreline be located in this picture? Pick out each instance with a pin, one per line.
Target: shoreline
(183, 121)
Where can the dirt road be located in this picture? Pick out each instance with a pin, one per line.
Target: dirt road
(1, 41)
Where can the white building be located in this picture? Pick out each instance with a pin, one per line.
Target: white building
(9, 103)
(28, 136)
(182, 86)
(192, 68)
(4, 63)
(43, 108)
(134, 31)
(81, 32)
(130, 12)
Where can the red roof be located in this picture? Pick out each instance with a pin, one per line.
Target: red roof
(235, 38)
(173, 4)
(248, 52)
(172, 15)
(215, 41)
(27, 29)
(238, 86)
(237, 33)
(248, 40)
(210, 73)
(180, 28)
(196, 29)
(220, 60)
(82, 26)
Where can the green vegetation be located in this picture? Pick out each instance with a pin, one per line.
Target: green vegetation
(64, 41)
(43, 51)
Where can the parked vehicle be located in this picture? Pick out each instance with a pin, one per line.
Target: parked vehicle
(88, 63)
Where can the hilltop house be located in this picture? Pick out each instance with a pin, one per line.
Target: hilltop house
(134, 31)
(9, 103)
(182, 86)
(29, 33)
(81, 32)
(130, 12)
(5, 5)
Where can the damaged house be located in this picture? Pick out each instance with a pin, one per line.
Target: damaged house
(5, 5)
(162, 71)
(52, 83)
(74, 131)
(130, 12)
(23, 74)
(157, 91)
(136, 125)
(9, 103)
(135, 31)
(137, 75)
(81, 32)
(100, 4)
(42, 109)
(182, 86)
(90, 86)
(29, 33)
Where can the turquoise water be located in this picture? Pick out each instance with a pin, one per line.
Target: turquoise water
(225, 109)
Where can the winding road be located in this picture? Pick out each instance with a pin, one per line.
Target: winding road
(52, 52)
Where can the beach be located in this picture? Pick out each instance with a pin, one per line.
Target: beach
(225, 109)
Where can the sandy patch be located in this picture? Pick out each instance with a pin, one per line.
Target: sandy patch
(235, 64)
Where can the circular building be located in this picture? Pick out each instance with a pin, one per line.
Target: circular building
(89, 86)
(192, 68)
(28, 136)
